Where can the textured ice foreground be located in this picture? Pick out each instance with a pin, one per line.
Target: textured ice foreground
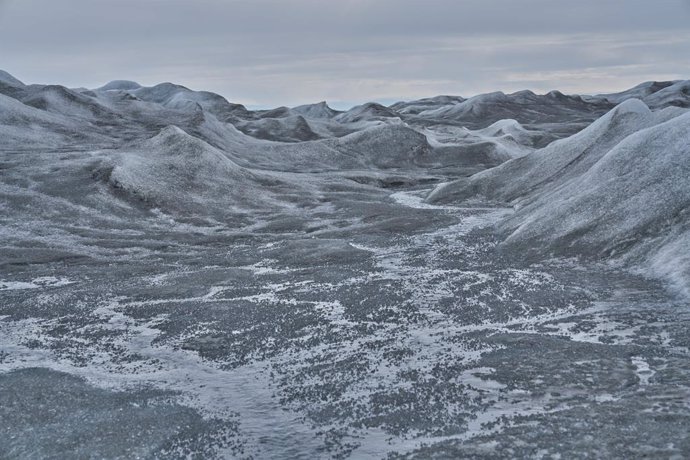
(181, 277)
(429, 343)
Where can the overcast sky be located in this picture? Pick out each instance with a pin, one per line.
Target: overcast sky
(286, 52)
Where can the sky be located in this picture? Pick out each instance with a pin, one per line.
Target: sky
(268, 53)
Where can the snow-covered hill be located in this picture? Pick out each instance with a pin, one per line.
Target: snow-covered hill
(618, 188)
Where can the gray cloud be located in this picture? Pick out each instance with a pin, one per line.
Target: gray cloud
(272, 52)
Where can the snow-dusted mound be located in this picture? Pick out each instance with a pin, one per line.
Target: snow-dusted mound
(656, 94)
(293, 128)
(637, 92)
(618, 188)
(386, 146)
(176, 171)
(677, 95)
(378, 147)
(278, 112)
(367, 112)
(639, 183)
(23, 127)
(319, 110)
(179, 97)
(60, 100)
(421, 105)
(504, 128)
(7, 79)
(524, 106)
(120, 85)
(512, 132)
(635, 202)
(477, 105)
(480, 154)
(561, 160)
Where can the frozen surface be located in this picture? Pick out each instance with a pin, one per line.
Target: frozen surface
(619, 189)
(286, 346)
(172, 286)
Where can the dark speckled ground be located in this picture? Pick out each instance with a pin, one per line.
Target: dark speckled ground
(391, 328)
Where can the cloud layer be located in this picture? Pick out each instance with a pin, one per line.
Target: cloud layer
(275, 52)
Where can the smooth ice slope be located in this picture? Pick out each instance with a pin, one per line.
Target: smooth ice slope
(639, 190)
(178, 172)
(618, 189)
(550, 166)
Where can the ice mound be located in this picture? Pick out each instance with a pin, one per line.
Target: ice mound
(421, 105)
(120, 85)
(319, 110)
(638, 190)
(511, 132)
(177, 171)
(476, 105)
(545, 167)
(377, 147)
(656, 94)
(617, 189)
(293, 128)
(23, 126)
(386, 146)
(8, 79)
(60, 100)
(480, 153)
(524, 106)
(677, 95)
(633, 203)
(178, 97)
(367, 112)
(638, 92)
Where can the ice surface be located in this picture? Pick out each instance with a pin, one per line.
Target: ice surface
(120, 85)
(618, 188)
(181, 277)
(8, 79)
(319, 110)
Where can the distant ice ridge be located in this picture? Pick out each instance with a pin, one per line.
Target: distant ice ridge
(120, 85)
(8, 79)
(617, 189)
(614, 187)
(656, 94)
(319, 110)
